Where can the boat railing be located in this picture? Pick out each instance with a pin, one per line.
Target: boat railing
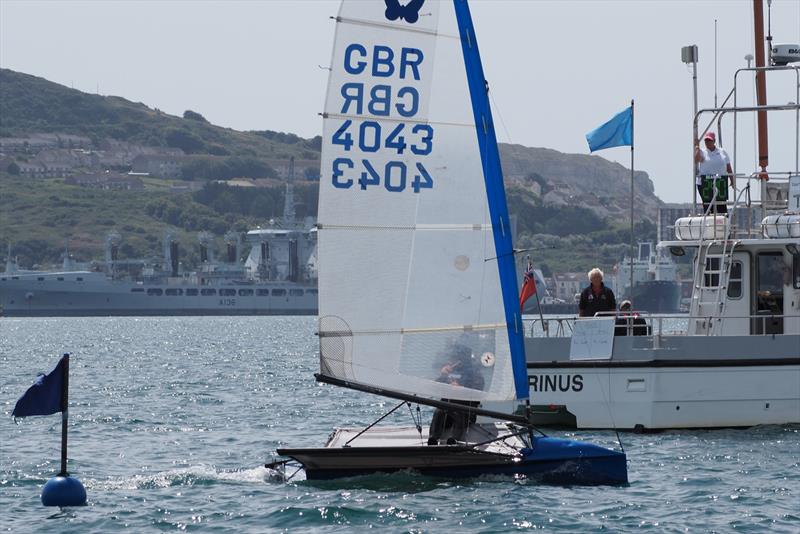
(746, 213)
(657, 325)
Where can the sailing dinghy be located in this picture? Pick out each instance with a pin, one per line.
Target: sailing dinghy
(417, 283)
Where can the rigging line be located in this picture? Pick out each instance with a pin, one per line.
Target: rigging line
(516, 251)
(607, 401)
(499, 115)
(417, 421)
(384, 416)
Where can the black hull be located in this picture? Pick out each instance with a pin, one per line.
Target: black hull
(603, 467)
(656, 296)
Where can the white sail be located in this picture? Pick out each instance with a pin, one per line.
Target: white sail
(410, 290)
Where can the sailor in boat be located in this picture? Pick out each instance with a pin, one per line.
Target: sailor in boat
(628, 321)
(460, 369)
(596, 298)
(713, 164)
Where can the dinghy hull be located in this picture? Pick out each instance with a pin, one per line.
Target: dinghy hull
(549, 461)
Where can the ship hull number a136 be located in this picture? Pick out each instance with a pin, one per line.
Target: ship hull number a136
(365, 144)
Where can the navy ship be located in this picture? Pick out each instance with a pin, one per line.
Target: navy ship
(655, 281)
(278, 277)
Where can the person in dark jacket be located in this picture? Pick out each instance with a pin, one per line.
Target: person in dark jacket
(461, 369)
(638, 326)
(597, 297)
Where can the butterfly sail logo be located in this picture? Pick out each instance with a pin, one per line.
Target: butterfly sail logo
(408, 12)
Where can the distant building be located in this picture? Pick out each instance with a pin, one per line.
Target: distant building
(565, 286)
(107, 180)
(304, 169)
(161, 166)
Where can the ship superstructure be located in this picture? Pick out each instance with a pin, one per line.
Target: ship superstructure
(278, 277)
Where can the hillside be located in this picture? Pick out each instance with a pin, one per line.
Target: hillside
(31, 104)
(572, 208)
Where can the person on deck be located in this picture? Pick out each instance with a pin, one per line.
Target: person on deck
(625, 319)
(460, 370)
(597, 297)
(713, 164)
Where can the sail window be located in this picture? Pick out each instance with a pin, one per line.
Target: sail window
(278, 292)
(245, 292)
(227, 292)
(735, 281)
(262, 292)
(155, 291)
(191, 292)
(173, 292)
(295, 292)
(208, 292)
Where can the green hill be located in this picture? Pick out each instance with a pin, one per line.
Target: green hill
(31, 104)
(38, 215)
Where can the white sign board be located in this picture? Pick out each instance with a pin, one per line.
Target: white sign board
(592, 339)
(794, 193)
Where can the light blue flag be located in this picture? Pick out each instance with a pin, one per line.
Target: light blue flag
(616, 132)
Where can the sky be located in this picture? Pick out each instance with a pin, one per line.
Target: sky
(556, 69)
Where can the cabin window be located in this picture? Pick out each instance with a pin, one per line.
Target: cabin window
(262, 292)
(40, 278)
(173, 292)
(796, 271)
(208, 292)
(79, 279)
(296, 292)
(155, 291)
(770, 268)
(137, 290)
(191, 292)
(735, 281)
(278, 292)
(227, 292)
(60, 278)
(245, 292)
(312, 291)
(711, 280)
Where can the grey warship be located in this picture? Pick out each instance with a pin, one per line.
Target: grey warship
(278, 277)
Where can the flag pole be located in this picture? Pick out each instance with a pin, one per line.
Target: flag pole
(64, 416)
(630, 289)
(538, 304)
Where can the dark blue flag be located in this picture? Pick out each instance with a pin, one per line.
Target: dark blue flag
(616, 132)
(44, 396)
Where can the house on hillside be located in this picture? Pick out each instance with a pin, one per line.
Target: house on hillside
(107, 180)
(159, 165)
(304, 169)
(565, 286)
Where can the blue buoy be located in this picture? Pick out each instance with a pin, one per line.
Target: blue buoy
(63, 491)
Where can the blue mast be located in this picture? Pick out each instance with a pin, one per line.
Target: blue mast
(498, 210)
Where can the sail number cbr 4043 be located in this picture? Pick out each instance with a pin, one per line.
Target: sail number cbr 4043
(395, 176)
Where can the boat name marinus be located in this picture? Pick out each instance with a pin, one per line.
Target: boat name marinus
(540, 383)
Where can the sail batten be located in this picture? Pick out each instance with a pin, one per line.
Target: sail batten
(469, 125)
(409, 299)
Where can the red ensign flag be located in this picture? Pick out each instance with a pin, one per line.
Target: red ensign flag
(528, 285)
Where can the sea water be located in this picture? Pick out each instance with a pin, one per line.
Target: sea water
(172, 419)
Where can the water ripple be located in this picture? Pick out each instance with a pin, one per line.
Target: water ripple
(172, 420)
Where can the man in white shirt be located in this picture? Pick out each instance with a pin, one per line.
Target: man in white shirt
(713, 164)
